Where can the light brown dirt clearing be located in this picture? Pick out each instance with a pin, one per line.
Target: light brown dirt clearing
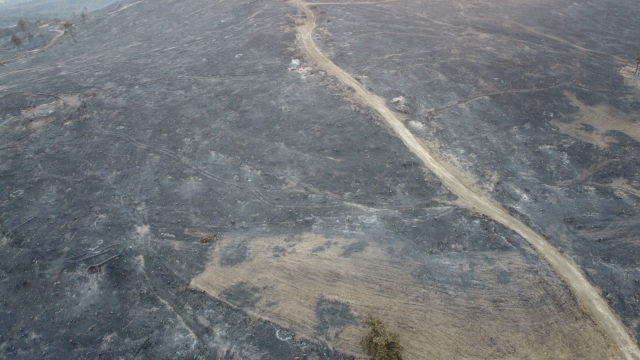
(629, 76)
(284, 278)
(42, 110)
(596, 122)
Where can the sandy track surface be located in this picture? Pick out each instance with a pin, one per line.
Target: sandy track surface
(125, 7)
(56, 38)
(587, 295)
(48, 45)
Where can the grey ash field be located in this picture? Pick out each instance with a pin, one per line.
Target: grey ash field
(185, 181)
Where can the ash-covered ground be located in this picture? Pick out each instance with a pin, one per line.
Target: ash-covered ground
(536, 101)
(180, 182)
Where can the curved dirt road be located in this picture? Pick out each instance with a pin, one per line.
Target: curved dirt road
(586, 294)
(48, 45)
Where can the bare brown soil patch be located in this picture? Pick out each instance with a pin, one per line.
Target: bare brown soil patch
(42, 110)
(292, 280)
(623, 185)
(36, 123)
(630, 77)
(596, 123)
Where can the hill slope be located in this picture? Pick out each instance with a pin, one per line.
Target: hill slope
(182, 182)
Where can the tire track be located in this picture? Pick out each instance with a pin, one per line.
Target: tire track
(586, 294)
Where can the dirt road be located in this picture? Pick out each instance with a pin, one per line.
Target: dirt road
(587, 295)
(124, 7)
(23, 55)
